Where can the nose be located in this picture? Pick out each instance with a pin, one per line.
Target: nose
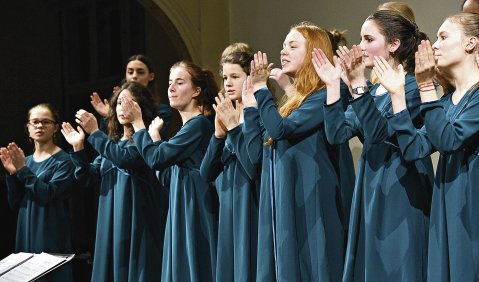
(283, 51)
(171, 88)
(435, 45)
(361, 45)
(228, 81)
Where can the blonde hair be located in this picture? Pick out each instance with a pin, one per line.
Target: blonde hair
(404, 9)
(468, 23)
(235, 48)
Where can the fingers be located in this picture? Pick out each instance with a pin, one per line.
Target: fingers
(95, 98)
(429, 51)
(342, 52)
(66, 128)
(356, 56)
(80, 116)
(259, 64)
(337, 61)
(319, 57)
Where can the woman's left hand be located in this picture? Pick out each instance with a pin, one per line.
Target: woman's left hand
(87, 121)
(155, 127)
(247, 95)
(393, 79)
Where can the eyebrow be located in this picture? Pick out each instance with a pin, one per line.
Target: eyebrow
(441, 33)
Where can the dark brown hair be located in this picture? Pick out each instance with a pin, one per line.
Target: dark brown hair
(205, 80)
(143, 97)
(393, 25)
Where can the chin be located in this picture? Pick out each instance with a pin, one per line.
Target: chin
(234, 97)
(289, 72)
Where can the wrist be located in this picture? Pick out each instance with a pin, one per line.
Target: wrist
(78, 147)
(231, 126)
(398, 103)
(138, 125)
(220, 135)
(359, 90)
(358, 82)
(258, 86)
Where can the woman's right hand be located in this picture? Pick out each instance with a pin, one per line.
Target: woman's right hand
(353, 65)
(260, 70)
(330, 74)
(76, 138)
(7, 161)
(101, 107)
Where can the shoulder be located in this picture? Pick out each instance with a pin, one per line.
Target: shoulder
(316, 99)
(199, 121)
(61, 156)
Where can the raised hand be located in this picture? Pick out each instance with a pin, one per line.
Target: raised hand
(281, 78)
(247, 95)
(220, 128)
(155, 127)
(7, 161)
(353, 65)
(260, 70)
(132, 111)
(328, 73)
(225, 111)
(101, 107)
(76, 138)
(425, 63)
(393, 79)
(16, 155)
(87, 121)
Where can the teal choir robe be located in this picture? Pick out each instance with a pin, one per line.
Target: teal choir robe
(304, 173)
(41, 190)
(453, 130)
(258, 153)
(189, 252)
(237, 182)
(391, 203)
(131, 211)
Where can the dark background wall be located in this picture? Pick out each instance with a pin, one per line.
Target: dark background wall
(60, 52)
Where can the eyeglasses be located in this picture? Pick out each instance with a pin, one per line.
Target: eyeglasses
(45, 122)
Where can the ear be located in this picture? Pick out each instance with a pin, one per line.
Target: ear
(197, 92)
(151, 76)
(394, 45)
(471, 44)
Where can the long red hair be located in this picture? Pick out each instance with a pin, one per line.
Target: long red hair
(306, 81)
